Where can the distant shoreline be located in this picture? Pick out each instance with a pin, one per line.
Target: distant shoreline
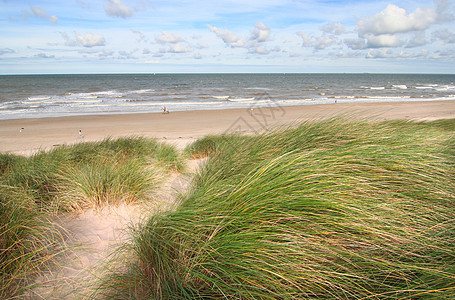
(183, 127)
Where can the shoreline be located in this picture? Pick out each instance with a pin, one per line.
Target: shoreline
(183, 127)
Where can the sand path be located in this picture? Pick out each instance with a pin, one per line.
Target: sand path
(93, 235)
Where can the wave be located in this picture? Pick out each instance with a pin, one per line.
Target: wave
(89, 105)
(136, 104)
(94, 95)
(400, 86)
(136, 100)
(39, 98)
(143, 91)
(105, 93)
(342, 97)
(86, 101)
(447, 87)
(240, 99)
(221, 97)
(258, 88)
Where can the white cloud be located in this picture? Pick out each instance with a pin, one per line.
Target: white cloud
(6, 51)
(90, 40)
(382, 29)
(255, 44)
(396, 20)
(259, 36)
(261, 33)
(447, 54)
(382, 40)
(227, 37)
(106, 53)
(175, 43)
(443, 11)
(127, 54)
(389, 54)
(417, 40)
(168, 37)
(335, 28)
(290, 52)
(263, 50)
(83, 4)
(318, 43)
(141, 35)
(44, 56)
(87, 40)
(40, 13)
(380, 53)
(115, 8)
(179, 48)
(355, 44)
(444, 35)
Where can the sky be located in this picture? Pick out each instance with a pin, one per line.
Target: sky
(210, 36)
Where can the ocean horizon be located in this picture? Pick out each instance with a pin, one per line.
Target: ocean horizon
(39, 96)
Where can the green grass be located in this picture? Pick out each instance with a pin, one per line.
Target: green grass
(28, 241)
(108, 181)
(91, 174)
(332, 209)
(67, 178)
(210, 145)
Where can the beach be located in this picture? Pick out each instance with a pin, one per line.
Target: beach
(182, 127)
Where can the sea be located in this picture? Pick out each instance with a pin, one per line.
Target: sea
(39, 96)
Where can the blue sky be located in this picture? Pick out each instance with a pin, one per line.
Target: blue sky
(167, 36)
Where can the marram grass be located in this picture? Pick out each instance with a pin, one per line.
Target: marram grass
(108, 182)
(28, 241)
(85, 175)
(91, 174)
(329, 210)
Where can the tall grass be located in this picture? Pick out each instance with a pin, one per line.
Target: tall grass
(85, 175)
(140, 148)
(108, 182)
(332, 209)
(28, 241)
(211, 145)
(96, 173)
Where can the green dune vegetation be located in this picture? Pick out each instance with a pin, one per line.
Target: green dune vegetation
(68, 178)
(334, 209)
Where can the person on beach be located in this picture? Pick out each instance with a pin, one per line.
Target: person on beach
(165, 111)
(81, 136)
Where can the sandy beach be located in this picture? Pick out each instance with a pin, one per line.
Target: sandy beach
(181, 128)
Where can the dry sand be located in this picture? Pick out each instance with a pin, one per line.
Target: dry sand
(180, 128)
(92, 234)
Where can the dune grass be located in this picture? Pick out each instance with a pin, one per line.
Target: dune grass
(211, 145)
(29, 242)
(333, 209)
(67, 178)
(90, 174)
